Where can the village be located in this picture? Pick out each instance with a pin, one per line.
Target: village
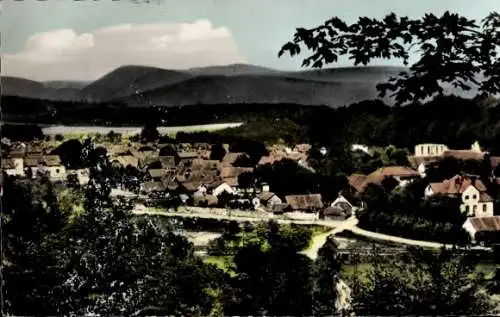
(157, 176)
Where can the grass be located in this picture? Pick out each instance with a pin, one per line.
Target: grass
(223, 262)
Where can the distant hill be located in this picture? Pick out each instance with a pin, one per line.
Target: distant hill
(239, 83)
(240, 89)
(130, 80)
(234, 70)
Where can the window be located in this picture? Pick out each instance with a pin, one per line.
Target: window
(484, 207)
(57, 170)
(428, 150)
(474, 197)
(466, 197)
(467, 209)
(474, 209)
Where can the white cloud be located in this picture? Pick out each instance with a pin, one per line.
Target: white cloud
(64, 54)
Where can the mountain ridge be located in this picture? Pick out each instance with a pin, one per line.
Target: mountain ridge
(144, 86)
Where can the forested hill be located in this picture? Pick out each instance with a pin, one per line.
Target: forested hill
(141, 86)
(451, 120)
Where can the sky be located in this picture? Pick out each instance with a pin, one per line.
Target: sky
(83, 40)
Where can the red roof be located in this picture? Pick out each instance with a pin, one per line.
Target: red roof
(485, 223)
(457, 185)
(464, 155)
(484, 198)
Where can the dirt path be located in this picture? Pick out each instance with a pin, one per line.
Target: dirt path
(318, 241)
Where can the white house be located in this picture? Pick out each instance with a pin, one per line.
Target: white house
(476, 203)
(430, 149)
(224, 187)
(474, 225)
(343, 204)
(13, 166)
(472, 192)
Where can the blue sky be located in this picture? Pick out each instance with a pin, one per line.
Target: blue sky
(256, 29)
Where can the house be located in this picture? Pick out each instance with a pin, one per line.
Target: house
(167, 162)
(194, 187)
(279, 209)
(343, 205)
(475, 200)
(231, 181)
(13, 166)
(157, 174)
(183, 156)
(170, 182)
(309, 203)
(399, 175)
(17, 149)
(477, 226)
(333, 213)
(201, 164)
(205, 201)
(358, 183)
(49, 165)
(34, 148)
(420, 163)
(126, 160)
(465, 155)
(52, 165)
(268, 199)
(430, 149)
(224, 187)
(231, 158)
(151, 187)
(232, 171)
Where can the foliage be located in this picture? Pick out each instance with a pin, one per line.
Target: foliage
(286, 177)
(217, 152)
(274, 281)
(452, 49)
(22, 133)
(421, 283)
(150, 133)
(324, 276)
(407, 214)
(70, 153)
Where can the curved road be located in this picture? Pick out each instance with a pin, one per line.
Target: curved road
(317, 241)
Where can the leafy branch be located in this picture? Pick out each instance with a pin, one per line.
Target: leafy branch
(450, 49)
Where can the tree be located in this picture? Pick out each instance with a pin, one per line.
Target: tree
(150, 133)
(421, 283)
(325, 276)
(70, 153)
(168, 150)
(246, 180)
(59, 137)
(21, 132)
(451, 48)
(217, 152)
(112, 136)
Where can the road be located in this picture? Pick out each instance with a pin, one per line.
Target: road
(319, 240)
(337, 226)
(232, 216)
